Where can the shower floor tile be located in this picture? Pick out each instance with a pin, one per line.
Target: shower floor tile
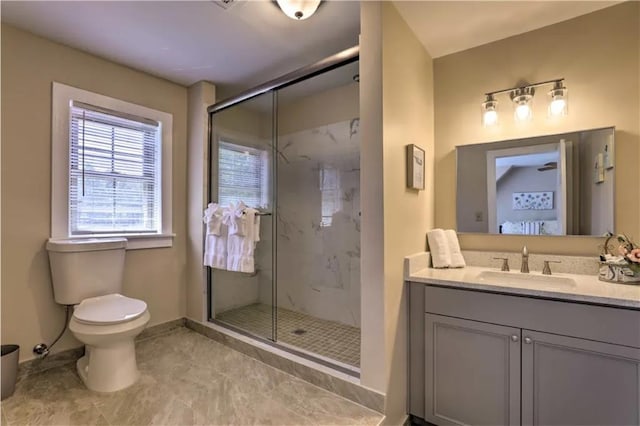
(326, 338)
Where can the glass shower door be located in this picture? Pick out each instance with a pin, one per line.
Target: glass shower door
(318, 206)
(242, 172)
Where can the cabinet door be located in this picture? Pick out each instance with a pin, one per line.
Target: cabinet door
(570, 381)
(472, 372)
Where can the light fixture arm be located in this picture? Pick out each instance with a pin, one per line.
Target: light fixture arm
(542, 83)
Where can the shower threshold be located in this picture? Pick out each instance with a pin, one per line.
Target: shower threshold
(328, 342)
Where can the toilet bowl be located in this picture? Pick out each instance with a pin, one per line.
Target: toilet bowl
(87, 273)
(108, 325)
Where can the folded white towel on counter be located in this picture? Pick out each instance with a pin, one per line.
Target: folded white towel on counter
(439, 248)
(457, 260)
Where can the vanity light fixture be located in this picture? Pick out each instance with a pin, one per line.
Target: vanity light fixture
(559, 102)
(490, 111)
(298, 9)
(522, 98)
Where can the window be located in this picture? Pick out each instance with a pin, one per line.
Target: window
(114, 173)
(331, 194)
(242, 175)
(111, 169)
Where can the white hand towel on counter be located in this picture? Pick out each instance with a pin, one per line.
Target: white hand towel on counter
(439, 248)
(456, 258)
(215, 248)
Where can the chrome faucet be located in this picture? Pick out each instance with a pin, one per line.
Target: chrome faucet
(524, 268)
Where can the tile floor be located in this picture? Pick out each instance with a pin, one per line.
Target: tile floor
(186, 379)
(330, 339)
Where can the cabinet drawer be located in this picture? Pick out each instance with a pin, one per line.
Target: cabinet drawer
(603, 324)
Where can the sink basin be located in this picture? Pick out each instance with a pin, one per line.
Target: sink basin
(517, 278)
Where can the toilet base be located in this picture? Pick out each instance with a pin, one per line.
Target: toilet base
(109, 369)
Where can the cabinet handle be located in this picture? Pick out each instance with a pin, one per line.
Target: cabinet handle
(528, 340)
(514, 337)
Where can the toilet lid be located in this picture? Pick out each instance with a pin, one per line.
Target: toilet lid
(109, 309)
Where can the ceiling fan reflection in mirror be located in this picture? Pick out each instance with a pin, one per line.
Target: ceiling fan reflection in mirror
(552, 165)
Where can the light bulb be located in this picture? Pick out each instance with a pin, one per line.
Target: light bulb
(557, 107)
(523, 112)
(522, 98)
(489, 111)
(490, 118)
(559, 101)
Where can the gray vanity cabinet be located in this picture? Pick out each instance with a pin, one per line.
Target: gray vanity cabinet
(474, 359)
(569, 381)
(472, 372)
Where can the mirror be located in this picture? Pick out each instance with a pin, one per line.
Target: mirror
(549, 185)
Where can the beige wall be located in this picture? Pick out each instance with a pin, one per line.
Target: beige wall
(407, 70)
(327, 107)
(372, 358)
(201, 95)
(29, 65)
(598, 55)
(397, 113)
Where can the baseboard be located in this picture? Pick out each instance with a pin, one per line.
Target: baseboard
(58, 359)
(159, 329)
(324, 377)
(69, 356)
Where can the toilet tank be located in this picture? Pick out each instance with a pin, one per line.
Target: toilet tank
(84, 268)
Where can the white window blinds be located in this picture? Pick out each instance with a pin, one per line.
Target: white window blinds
(114, 172)
(242, 175)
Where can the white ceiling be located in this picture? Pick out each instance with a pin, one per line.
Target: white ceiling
(188, 41)
(253, 41)
(446, 27)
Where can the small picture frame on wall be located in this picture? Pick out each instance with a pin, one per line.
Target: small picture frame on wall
(415, 167)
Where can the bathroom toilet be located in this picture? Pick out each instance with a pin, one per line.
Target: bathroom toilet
(87, 273)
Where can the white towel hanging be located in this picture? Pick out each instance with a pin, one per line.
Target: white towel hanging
(215, 247)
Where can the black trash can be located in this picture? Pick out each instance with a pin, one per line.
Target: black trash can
(10, 355)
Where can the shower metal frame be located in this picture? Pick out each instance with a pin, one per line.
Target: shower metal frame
(327, 64)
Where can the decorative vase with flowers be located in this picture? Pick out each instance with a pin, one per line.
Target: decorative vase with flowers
(620, 261)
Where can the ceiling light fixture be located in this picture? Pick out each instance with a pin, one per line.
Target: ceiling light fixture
(522, 98)
(298, 9)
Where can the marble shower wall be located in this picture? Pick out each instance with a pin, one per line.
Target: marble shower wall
(318, 228)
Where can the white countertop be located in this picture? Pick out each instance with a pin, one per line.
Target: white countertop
(588, 288)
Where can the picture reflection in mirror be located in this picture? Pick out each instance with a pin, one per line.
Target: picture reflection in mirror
(548, 185)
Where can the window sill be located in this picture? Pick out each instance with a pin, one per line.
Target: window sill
(136, 242)
(139, 241)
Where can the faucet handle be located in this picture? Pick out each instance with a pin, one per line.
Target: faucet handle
(505, 263)
(546, 269)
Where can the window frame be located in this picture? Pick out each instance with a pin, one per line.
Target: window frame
(62, 97)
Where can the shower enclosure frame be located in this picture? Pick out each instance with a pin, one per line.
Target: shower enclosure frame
(327, 64)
